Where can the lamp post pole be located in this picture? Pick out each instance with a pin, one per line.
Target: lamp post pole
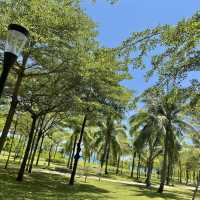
(9, 61)
(16, 39)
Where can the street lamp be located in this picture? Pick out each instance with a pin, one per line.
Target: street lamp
(16, 39)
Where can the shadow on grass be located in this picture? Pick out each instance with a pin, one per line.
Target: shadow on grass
(41, 186)
(140, 191)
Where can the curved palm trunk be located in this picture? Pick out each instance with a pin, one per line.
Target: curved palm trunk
(23, 165)
(77, 156)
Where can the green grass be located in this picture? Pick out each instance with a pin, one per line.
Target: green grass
(41, 186)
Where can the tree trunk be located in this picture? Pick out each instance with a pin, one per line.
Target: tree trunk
(187, 176)
(196, 188)
(169, 168)
(34, 152)
(149, 173)
(23, 147)
(49, 159)
(23, 164)
(69, 158)
(40, 150)
(31, 151)
(118, 162)
(133, 164)
(138, 167)
(107, 141)
(73, 152)
(13, 137)
(122, 167)
(107, 158)
(180, 172)
(149, 170)
(194, 177)
(18, 148)
(164, 167)
(77, 156)
(12, 109)
(54, 157)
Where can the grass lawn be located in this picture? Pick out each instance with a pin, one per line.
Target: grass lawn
(41, 186)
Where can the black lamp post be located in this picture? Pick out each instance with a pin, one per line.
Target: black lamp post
(16, 40)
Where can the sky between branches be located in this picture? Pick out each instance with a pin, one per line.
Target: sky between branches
(117, 22)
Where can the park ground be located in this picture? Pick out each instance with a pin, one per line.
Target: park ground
(45, 184)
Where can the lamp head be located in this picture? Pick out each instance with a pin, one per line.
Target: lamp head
(16, 39)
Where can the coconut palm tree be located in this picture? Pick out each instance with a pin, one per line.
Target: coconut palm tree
(168, 108)
(110, 139)
(163, 120)
(147, 136)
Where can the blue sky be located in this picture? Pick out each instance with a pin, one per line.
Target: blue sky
(116, 22)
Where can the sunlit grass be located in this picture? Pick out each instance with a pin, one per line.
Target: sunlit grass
(41, 186)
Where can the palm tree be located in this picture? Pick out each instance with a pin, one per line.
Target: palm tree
(168, 112)
(111, 139)
(147, 135)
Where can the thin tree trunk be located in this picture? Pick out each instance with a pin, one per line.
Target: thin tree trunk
(13, 137)
(34, 152)
(187, 176)
(168, 171)
(194, 177)
(23, 147)
(55, 152)
(13, 107)
(138, 167)
(40, 150)
(18, 148)
(23, 164)
(69, 159)
(133, 164)
(8, 122)
(196, 188)
(73, 152)
(149, 173)
(31, 151)
(49, 159)
(118, 162)
(122, 167)
(180, 172)
(77, 156)
(107, 142)
(107, 158)
(164, 167)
